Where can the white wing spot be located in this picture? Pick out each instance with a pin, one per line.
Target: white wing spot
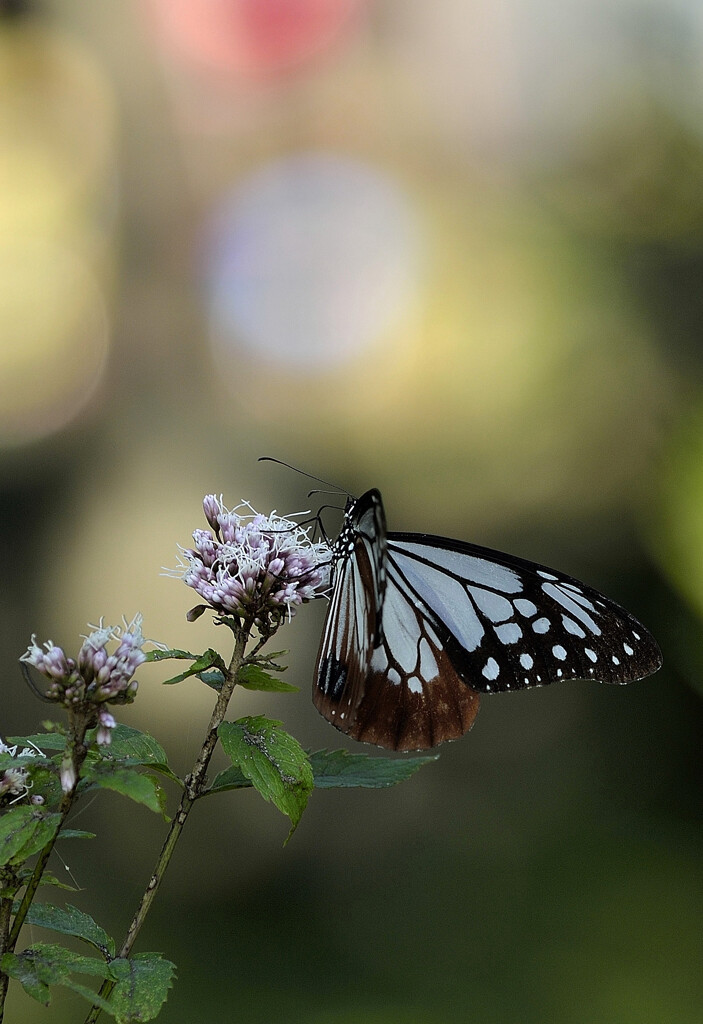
(559, 673)
(573, 605)
(491, 669)
(559, 652)
(497, 608)
(428, 663)
(393, 677)
(415, 684)
(616, 661)
(627, 649)
(525, 607)
(509, 633)
(636, 635)
(546, 575)
(590, 654)
(541, 625)
(526, 660)
(572, 627)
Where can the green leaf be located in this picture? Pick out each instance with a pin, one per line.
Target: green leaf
(334, 769)
(70, 921)
(253, 677)
(170, 654)
(132, 747)
(214, 679)
(43, 965)
(275, 763)
(43, 740)
(144, 789)
(48, 879)
(142, 987)
(24, 831)
(230, 778)
(201, 662)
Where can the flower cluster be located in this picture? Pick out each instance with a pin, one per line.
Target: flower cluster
(254, 567)
(14, 780)
(96, 677)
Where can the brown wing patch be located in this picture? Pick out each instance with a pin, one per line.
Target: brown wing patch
(400, 716)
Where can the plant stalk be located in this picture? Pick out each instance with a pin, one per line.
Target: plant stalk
(194, 784)
(78, 753)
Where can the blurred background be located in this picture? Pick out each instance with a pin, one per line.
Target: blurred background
(451, 250)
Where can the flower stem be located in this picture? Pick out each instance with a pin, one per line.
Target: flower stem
(194, 784)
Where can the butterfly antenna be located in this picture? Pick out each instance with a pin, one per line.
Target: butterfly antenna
(338, 490)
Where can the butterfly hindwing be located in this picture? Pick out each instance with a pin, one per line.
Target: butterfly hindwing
(353, 619)
(418, 626)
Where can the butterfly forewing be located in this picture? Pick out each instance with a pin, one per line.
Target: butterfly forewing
(418, 626)
(508, 623)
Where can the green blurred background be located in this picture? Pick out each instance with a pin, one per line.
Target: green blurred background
(453, 250)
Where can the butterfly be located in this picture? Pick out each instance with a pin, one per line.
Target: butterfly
(418, 627)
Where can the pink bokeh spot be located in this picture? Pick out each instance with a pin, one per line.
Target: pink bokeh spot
(252, 38)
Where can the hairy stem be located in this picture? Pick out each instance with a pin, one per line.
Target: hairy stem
(194, 784)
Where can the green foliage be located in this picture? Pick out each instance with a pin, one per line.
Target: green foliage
(274, 762)
(143, 983)
(339, 769)
(44, 964)
(201, 662)
(335, 769)
(132, 747)
(70, 921)
(253, 677)
(43, 740)
(143, 789)
(24, 831)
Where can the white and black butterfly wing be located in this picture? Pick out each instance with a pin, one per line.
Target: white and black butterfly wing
(507, 623)
(353, 619)
(419, 626)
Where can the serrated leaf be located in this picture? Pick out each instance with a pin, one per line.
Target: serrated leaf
(137, 748)
(143, 789)
(44, 964)
(24, 831)
(333, 769)
(253, 677)
(70, 921)
(208, 659)
(142, 987)
(273, 761)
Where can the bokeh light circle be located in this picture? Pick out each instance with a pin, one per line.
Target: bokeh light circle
(53, 339)
(310, 260)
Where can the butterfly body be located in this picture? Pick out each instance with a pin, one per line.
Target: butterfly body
(419, 626)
